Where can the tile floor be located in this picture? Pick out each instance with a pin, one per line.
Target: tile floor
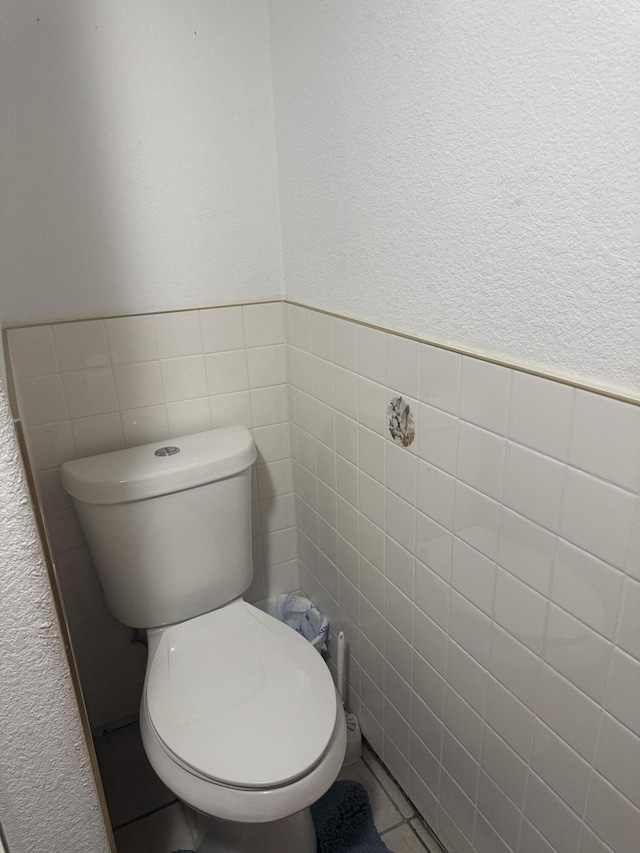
(147, 818)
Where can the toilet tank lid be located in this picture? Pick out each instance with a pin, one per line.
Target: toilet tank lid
(157, 469)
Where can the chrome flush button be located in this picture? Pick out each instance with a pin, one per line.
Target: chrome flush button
(170, 450)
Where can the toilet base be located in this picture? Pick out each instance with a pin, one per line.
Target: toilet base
(212, 835)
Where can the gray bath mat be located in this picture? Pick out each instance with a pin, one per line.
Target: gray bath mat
(343, 821)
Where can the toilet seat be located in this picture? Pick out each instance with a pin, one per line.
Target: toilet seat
(237, 698)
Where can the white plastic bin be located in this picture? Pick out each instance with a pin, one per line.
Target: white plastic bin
(300, 614)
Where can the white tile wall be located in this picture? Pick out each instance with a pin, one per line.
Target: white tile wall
(98, 385)
(488, 586)
(486, 577)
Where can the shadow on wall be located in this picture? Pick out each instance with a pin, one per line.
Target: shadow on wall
(137, 160)
(57, 156)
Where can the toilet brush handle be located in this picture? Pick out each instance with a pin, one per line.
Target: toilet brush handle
(341, 665)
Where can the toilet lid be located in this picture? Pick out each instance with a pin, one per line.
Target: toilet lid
(241, 698)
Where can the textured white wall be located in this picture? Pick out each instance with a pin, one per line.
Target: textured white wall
(468, 172)
(137, 157)
(48, 799)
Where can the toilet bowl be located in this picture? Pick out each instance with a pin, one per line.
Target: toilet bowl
(240, 719)
(239, 715)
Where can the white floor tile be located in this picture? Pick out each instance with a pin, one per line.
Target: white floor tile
(161, 832)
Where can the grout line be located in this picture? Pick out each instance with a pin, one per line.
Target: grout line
(146, 814)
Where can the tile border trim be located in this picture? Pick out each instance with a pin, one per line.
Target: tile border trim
(511, 365)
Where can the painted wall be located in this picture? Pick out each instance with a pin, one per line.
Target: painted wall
(467, 172)
(137, 158)
(487, 578)
(48, 799)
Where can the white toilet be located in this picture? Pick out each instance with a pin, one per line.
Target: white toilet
(239, 715)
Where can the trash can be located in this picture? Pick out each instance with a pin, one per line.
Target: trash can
(300, 614)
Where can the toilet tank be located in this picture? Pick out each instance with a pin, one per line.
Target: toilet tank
(168, 527)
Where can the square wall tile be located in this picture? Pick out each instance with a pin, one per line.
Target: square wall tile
(629, 635)
(372, 406)
(222, 329)
(345, 343)
(81, 346)
(509, 716)
(50, 445)
(623, 689)
(90, 392)
(323, 380)
(131, 339)
(440, 378)
(41, 400)
(399, 566)
(484, 394)
(270, 405)
(467, 676)
(264, 324)
(401, 472)
(184, 378)
(322, 335)
(229, 409)
(587, 588)
(470, 628)
(275, 478)
(227, 372)
(597, 517)
(434, 546)
(372, 354)
(345, 389)
(533, 486)
(612, 816)
(272, 443)
(480, 459)
(430, 641)
(400, 521)
(32, 352)
(139, 385)
(99, 434)
(501, 812)
(577, 652)
(278, 513)
(606, 439)
(569, 712)
(188, 417)
(616, 758)
(560, 767)
(52, 496)
(372, 453)
(178, 334)
(371, 501)
(432, 594)
(540, 413)
(526, 550)
(267, 366)
(514, 666)
(475, 519)
(474, 576)
(142, 426)
(551, 817)
(300, 327)
(520, 610)
(435, 495)
(403, 365)
(438, 438)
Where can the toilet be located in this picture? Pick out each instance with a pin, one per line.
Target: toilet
(239, 715)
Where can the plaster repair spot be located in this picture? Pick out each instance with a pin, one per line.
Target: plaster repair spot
(401, 424)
